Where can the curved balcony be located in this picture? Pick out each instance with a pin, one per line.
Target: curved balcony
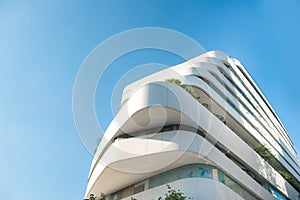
(120, 166)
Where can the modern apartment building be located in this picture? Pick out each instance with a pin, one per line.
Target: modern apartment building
(203, 127)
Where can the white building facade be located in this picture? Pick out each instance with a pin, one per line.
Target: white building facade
(203, 127)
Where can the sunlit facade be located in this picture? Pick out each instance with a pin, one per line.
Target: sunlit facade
(203, 127)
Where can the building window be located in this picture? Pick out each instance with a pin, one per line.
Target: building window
(140, 187)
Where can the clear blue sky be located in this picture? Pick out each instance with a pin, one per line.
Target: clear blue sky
(43, 43)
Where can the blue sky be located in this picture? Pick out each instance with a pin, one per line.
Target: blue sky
(43, 43)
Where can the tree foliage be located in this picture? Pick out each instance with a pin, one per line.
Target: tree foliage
(92, 197)
(187, 88)
(290, 178)
(265, 153)
(174, 81)
(174, 195)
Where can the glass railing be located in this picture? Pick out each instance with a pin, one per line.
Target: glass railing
(188, 171)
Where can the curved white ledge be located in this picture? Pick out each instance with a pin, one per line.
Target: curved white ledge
(175, 142)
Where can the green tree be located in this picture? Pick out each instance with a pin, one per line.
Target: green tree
(174, 195)
(187, 88)
(290, 178)
(92, 197)
(102, 196)
(174, 81)
(265, 153)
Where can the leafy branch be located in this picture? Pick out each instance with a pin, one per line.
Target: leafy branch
(187, 88)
